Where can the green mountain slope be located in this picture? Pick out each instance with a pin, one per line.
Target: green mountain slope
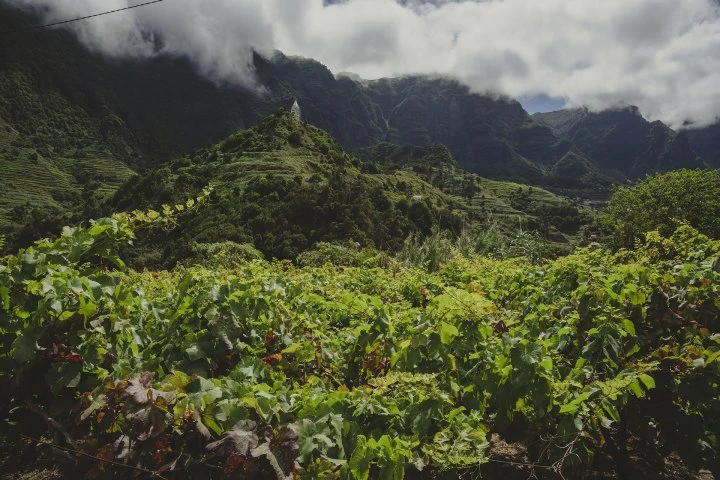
(60, 147)
(513, 206)
(285, 185)
(56, 183)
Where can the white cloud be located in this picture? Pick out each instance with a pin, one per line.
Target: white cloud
(217, 35)
(662, 55)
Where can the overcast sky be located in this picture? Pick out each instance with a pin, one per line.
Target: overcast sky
(662, 55)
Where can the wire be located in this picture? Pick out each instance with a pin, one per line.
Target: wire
(38, 27)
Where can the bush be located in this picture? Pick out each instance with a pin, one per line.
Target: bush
(337, 372)
(224, 254)
(348, 255)
(525, 244)
(440, 247)
(491, 240)
(663, 202)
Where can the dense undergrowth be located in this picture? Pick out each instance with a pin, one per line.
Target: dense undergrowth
(266, 370)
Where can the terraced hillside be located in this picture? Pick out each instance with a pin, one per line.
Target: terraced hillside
(285, 185)
(61, 184)
(61, 148)
(510, 205)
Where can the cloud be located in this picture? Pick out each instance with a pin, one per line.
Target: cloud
(217, 35)
(662, 55)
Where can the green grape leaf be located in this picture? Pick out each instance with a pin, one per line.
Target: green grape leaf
(24, 347)
(359, 460)
(647, 380)
(448, 333)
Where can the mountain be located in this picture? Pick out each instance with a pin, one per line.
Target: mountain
(284, 185)
(621, 142)
(706, 142)
(490, 136)
(54, 153)
(509, 204)
(81, 123)
(148, 112)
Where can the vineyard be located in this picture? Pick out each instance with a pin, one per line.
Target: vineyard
(264, 370)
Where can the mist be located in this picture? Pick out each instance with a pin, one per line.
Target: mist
(661, 55)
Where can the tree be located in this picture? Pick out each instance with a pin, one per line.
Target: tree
(662, 202)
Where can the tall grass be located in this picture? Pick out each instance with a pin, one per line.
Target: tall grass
(439, 247)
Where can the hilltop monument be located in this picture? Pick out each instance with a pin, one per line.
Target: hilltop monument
(295, 110)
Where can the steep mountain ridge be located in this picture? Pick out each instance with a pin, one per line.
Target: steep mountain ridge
(282, 186)
(706, 142)
(621, 142)
(490, 136)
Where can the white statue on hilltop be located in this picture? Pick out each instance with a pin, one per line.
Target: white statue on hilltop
(295, 110)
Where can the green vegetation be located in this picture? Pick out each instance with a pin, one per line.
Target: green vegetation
(224, 254)
(663, 202)
(58, 185)
(503, 207)
(284, 186)
(263, 370)
(57, 159)
(315, 314)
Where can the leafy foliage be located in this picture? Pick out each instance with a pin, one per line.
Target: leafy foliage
(263, 370)
(348, 254)
(663, 202)
(225, 254)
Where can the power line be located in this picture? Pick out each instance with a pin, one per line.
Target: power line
(38, 27)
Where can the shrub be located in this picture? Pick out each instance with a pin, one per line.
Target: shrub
(663, 202)
(224, 254)
(335, 253)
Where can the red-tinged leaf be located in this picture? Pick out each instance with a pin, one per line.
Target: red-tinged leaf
(73, 358)
(273, 360)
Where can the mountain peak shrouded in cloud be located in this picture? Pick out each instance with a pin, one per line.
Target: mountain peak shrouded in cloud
(662, 55)
(219, 36)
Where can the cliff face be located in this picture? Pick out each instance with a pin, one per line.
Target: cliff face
(489, 136)
(621, 141)
(706, 142)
